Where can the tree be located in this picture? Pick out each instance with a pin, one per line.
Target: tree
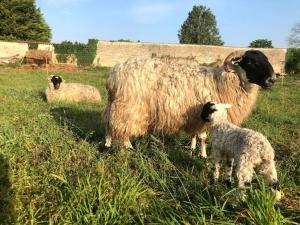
(261, 43)
(200, 28)
(294, 38)
(22, 20)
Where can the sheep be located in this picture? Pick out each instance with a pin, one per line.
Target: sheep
(247, 148)
(159, 96)
(58, 90)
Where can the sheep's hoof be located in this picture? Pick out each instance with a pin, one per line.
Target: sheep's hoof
(103, 147)
(202, 157)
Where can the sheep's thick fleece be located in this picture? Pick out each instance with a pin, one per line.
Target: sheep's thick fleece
(161, 96)
(73, 92)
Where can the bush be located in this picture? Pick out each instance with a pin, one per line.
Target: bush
(292, 60)
(33, 46)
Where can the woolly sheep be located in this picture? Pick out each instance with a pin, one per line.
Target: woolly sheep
(249, 149)
(160, 96)
(58, 90)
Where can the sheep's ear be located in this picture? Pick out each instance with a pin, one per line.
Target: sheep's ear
(49, 78)
(236, 61)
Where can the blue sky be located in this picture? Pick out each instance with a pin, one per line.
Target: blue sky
(239, 21)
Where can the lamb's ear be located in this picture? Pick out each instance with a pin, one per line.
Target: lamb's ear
(227, 106)
(222, 106)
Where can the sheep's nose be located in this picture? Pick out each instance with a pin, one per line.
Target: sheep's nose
(271, 81)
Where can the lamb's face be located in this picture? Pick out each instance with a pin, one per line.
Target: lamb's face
(258, 68)
(213, 112)
(56, 80)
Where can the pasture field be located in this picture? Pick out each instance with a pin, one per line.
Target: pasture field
(52, 170)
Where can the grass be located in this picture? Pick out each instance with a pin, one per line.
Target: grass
(52, 170)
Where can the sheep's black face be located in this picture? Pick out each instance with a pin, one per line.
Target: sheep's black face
(207, 110)
(258, 68)
(56, 80)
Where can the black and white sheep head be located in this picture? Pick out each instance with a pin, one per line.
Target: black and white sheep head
(214, 112)
(56, 81)
(252, 67)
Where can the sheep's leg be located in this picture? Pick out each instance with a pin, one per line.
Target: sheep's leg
(193, 144)
(268, 170)
(202, 136)
(228, 171)
(108, 141)
(127, 144)
(244, 173)
(108, 138)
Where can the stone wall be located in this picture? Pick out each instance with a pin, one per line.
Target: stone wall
(111, 53)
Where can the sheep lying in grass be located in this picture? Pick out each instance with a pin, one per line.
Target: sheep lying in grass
(159, 96)
(249, 149)
(58, 90)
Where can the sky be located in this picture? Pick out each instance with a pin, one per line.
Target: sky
(239, 21)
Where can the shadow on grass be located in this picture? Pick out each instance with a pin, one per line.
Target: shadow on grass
(6, 199)
(42, 95)
(83, 124)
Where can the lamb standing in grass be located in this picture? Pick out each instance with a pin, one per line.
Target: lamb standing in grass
(58, 90)
(160, 96)
(249, 149)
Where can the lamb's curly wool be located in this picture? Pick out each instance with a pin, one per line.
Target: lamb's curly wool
(72, 92)
(156, 96)
(248, 148)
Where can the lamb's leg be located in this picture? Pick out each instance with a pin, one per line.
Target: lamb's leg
(202, 137)
(244, 173)
(216, 174)
(193, 144)
(228, 171)
(216, 161)
(268, 170)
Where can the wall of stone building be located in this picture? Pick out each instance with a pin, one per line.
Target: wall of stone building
(111, 53)
(10, 49)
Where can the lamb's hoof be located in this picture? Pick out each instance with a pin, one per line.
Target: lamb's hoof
(227, 183)
(212, 181)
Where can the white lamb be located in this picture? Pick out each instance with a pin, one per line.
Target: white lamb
(248, 148)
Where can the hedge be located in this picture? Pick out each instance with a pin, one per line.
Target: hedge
(292, 60)
(85, 53)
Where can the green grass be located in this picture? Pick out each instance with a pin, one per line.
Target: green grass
(53, 172)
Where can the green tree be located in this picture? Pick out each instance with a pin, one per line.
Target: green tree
(261, 43)
(200, 28)
(22, 20)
